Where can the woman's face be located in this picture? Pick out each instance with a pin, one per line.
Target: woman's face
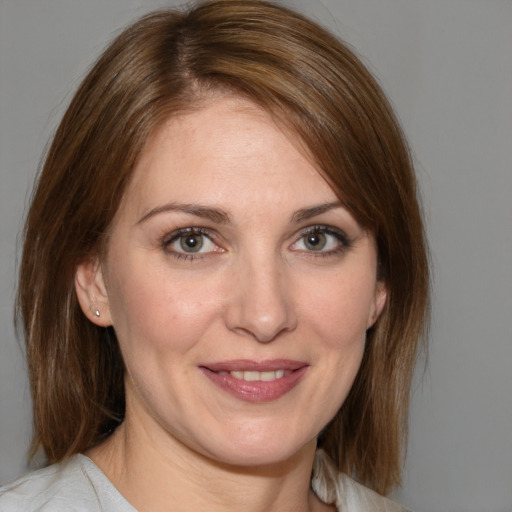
(239, 287)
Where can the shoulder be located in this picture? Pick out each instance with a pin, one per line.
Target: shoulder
(75, 484)
(337, 488)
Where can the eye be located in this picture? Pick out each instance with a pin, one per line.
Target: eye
(188, 242)
(324, 240)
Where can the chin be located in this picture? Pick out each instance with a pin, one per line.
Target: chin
(265, 451)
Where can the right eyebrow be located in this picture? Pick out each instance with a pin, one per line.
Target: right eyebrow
(206, 212)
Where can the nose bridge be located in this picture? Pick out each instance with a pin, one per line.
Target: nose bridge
(261, 304)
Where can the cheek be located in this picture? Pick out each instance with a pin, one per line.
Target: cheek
(340, 308)
(152, 309)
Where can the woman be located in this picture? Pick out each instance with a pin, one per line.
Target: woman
(224, 276)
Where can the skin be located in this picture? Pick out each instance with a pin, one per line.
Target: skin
(256, 291)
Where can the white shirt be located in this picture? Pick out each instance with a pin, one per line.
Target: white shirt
(78, 485)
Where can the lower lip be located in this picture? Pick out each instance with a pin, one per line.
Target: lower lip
(256, 391)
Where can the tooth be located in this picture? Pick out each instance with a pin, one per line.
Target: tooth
(251, 376)
(254, 376)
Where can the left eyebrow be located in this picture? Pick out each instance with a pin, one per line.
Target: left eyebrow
(312, 211)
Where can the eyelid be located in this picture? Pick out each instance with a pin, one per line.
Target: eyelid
(343, 238)
(344, 242)
(324, 228)
(172, 237)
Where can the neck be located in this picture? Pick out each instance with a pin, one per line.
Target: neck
(164, 474)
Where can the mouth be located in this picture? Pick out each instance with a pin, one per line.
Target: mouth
(256, 381)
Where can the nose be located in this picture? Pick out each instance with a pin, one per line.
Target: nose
(261, 303)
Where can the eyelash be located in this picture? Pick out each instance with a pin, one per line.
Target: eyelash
(341, 237)
(343, 242)
(176, 235)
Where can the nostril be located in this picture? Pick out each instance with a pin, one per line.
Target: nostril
(260, 305)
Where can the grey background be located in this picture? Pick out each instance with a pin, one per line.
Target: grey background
(447, 67)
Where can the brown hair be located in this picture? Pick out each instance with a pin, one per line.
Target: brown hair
(162, 64)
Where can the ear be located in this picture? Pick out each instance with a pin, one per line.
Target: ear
(380, 297)
(92, 292)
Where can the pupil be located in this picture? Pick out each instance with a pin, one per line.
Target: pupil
(191, 243)
(315, 241)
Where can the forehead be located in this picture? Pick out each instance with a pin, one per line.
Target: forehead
(228, 151)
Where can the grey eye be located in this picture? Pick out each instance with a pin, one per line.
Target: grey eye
(323, 239)
(315, 241)
(191, 242)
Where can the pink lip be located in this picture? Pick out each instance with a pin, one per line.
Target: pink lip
(255, 391)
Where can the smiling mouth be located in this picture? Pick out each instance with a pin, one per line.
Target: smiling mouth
(254, 381)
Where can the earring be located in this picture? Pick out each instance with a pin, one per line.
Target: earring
(95, 311)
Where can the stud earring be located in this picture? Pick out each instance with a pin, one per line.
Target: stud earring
(95, 311)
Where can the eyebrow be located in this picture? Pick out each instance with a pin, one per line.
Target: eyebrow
(206, 212)
(308, 213)
(220, 216)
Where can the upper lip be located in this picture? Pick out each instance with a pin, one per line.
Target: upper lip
(257, 366)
